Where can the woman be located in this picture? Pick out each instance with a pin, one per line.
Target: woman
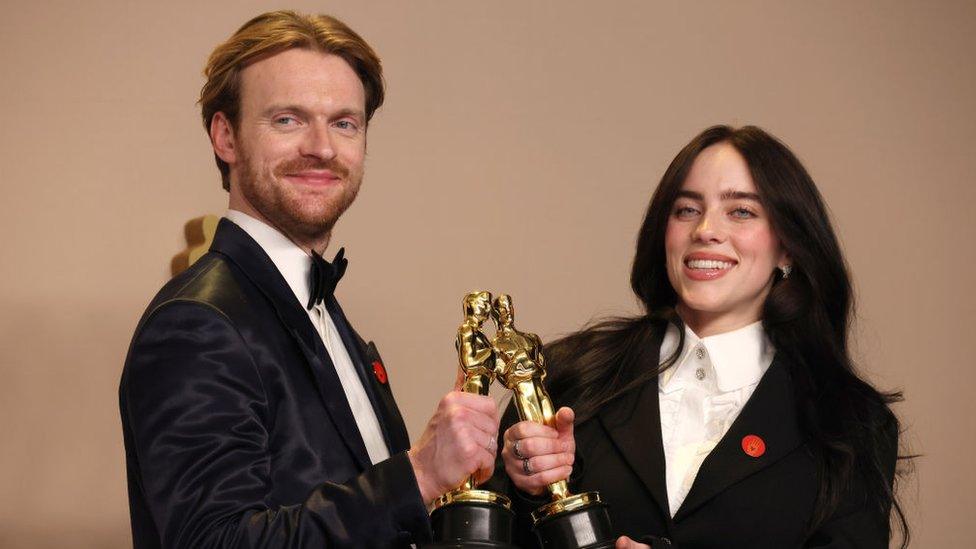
(729, 414)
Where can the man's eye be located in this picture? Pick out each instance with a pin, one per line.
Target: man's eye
(285, 120)
(346, 125)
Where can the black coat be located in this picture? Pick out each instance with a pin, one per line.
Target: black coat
(237, 430)
(735, 501)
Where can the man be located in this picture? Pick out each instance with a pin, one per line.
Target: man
(253, 414)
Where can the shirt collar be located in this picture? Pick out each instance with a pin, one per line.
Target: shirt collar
(739, 358)
(292, 262)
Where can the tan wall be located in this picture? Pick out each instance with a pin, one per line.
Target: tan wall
(517, 151)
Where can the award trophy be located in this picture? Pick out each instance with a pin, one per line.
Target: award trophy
(467, 516)
(568, 521)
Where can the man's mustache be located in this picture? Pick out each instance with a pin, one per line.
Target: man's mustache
(305, 164)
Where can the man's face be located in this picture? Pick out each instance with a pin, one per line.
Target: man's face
(300, 142)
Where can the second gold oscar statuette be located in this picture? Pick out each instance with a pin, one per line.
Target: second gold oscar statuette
(568, 521)
(468, 516)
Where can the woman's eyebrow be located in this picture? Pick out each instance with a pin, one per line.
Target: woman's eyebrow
(739, 195)
(726, 195)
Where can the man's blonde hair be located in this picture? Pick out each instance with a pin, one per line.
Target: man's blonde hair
(271, 33)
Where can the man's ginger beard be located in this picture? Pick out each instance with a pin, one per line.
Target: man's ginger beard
(303, 220)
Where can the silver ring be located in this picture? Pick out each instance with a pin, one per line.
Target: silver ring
(525, 467)
(491, 444)
(515, 449)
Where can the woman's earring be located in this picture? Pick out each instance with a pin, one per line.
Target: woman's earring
(787, 269)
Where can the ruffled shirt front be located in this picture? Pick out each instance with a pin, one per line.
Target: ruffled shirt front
(702, 394)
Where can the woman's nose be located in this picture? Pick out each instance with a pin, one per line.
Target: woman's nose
(708, 230)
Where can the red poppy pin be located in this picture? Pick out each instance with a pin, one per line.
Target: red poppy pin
(753, 445)
(379, 371)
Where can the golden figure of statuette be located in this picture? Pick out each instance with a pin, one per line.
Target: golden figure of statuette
(468, 515)
(476, 358)
(568, 519)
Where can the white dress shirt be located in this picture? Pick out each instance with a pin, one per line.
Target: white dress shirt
(295, 264)
(702, 394)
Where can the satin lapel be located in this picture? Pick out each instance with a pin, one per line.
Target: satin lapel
(335, 399)
(234, 243)
(769, 414)
(399, 439)
(357, 352)
(633, 422)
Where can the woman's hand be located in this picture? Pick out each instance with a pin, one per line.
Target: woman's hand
(537, 455)
(623, 542)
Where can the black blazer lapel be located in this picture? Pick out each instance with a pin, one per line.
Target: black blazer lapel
(365, 356)
(235, 244)
(633, 422)
(770, 414)
(393, 426)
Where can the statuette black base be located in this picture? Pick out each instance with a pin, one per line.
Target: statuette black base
(584, 528)
(472, 524)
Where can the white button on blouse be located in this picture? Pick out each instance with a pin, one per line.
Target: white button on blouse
(702, 394)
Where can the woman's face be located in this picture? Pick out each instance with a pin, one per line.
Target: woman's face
(721, 250)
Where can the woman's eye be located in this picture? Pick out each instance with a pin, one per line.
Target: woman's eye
(682, 212)
(742, 213)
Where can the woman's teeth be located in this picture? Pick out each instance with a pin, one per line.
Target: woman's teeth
(708, 264)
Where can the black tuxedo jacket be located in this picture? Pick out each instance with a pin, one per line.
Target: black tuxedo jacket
(237, 430)
(735, 501)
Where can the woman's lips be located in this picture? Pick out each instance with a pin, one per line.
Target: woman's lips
(706, 266)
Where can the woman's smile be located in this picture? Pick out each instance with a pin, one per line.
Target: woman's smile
(721, 249)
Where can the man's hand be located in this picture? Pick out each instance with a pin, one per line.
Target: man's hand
(623, 542)
(459, 440)
(544, 455)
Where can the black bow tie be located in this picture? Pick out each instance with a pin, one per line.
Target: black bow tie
(324, 276)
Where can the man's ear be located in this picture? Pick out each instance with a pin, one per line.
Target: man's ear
(222, 138)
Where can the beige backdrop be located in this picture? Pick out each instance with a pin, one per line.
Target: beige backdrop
(517, 151)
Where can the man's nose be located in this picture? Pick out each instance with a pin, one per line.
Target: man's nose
(317, 142)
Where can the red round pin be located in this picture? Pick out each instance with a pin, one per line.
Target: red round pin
(753, 445)
(379, 371)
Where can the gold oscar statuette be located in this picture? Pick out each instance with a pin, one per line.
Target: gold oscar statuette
(568, 520)
(468, 516)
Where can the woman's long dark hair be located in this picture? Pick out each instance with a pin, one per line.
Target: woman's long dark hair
(807, 317)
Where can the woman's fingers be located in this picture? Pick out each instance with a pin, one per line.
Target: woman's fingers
(564, 421)
(623, 542)
(536, 455)
(539, 464)
(529, 429)
(536, 446)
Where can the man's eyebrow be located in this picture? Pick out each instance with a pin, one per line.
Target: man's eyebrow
(285, 107)
(357, 113)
